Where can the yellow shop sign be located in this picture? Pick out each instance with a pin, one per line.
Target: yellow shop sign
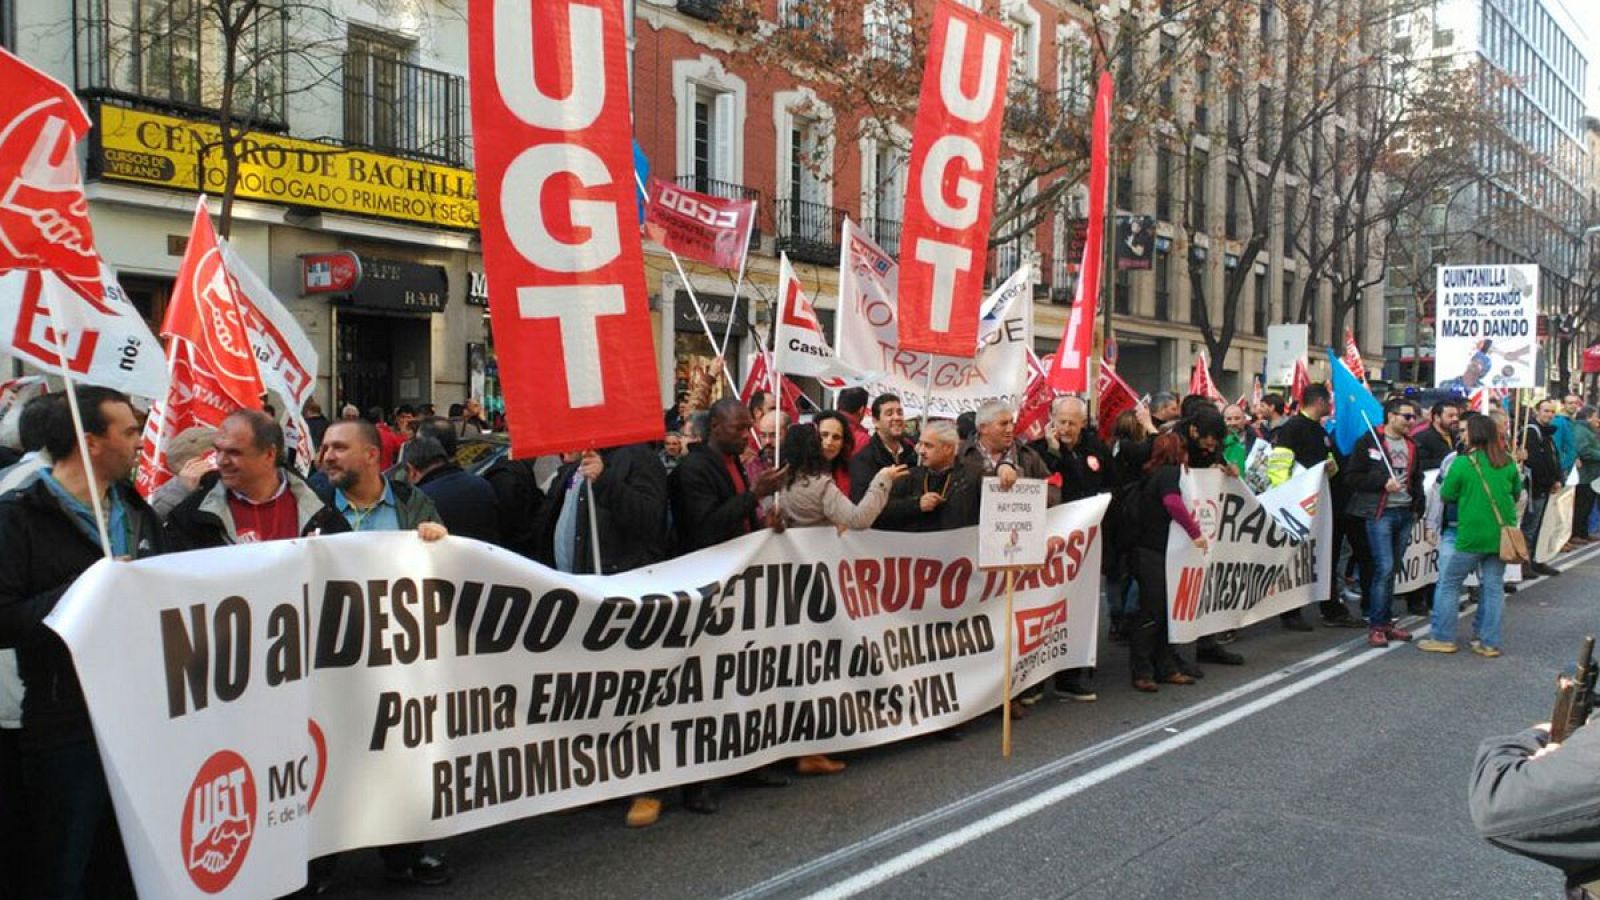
(162, 150)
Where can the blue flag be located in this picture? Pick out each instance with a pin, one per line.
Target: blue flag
(1355, 410)
(641, 174)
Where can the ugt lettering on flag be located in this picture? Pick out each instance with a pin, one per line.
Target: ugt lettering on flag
(559, 224)
(950, 192)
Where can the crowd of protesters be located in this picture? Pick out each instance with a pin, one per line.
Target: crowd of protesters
(715, 478)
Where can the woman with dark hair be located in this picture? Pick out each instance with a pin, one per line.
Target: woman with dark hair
(814, 497)
(1483, 483)
(838, 445)
(1151, 657)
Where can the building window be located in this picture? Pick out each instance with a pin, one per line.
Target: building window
(1200, 190)
(710, 128)
(1125, 184)
(1230, 220)
(1287, 301)
(1290, 201)
(885, 180)
(169, 54)
(8, 24)
(886, 30)
(1123, 293)
(1258, 321)
(806, 15)
(1168, 49)
(711, 158)
(1235, 119)
(1163, 275)
(1264, 141)
(1164, 184)
(1202, 97)
(395, 106)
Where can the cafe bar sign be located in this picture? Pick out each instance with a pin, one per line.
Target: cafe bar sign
(149, 148)
(401, 286)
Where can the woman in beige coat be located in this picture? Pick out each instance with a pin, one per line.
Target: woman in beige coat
(813, 497)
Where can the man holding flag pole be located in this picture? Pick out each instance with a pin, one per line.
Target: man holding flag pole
(1385, 482)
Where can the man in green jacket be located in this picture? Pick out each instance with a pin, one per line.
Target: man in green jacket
(1234, 449)
(1588, 455)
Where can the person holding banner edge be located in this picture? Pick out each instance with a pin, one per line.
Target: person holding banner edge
(50, 537)
(1386, 493)
(1151, 657)
(1544, 476)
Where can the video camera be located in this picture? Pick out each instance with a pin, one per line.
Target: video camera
(1575, 697)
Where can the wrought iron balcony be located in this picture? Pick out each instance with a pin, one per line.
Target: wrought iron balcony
(396, 107)
(884, 232)
(727, 190)
(808, 231)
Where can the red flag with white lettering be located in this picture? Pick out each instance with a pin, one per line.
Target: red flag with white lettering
(1033, 413)
(1115, 398)
(1200, 380)
(760, 379)
(1299, 381)
(44, 217)
(204, 312)
(559, 224)
(697, 226)
(1071, 369)
(194, 398)
(1352, 357)
(955, 154)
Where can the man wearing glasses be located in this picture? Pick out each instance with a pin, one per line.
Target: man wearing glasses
(1386, 492)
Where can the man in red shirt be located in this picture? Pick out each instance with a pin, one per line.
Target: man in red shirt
(250, 497)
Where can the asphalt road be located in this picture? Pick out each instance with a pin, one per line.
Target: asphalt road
(1319, 769)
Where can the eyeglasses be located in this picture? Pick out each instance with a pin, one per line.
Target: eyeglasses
(1407, 416)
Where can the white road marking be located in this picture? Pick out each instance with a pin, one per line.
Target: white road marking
(905, 862)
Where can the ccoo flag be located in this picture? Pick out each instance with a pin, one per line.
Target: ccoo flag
(1355, 410)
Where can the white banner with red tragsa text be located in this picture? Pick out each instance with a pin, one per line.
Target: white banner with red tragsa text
(262, 705)
(560, 229)
(1268, 553)
(955, 156)
(867, 335)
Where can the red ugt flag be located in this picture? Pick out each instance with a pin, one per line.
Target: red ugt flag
(560, 224)
(44, 218)
(204, 313)
(955, 154)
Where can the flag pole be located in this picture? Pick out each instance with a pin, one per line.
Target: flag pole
(594, 526)
(1378, 441)
(77, 417)
(689, 289)
(738, 285)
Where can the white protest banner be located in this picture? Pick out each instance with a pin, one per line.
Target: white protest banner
(1486, 327)
(1419, 565)
(106, 340)
(261, 705)
(799, 346)
(1286, 344)
(1268, 554)
(1555, 529)
(1011, 523)
(867, 336)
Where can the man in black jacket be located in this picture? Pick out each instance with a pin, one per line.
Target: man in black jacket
(628, 488)
(937, 494)
(1074, 451)
(466, 502)
(1438, 440)
(1544, 476)
(888, 446)
(712, 498)
(250, 498)
(1385, 484)
(50, 537)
